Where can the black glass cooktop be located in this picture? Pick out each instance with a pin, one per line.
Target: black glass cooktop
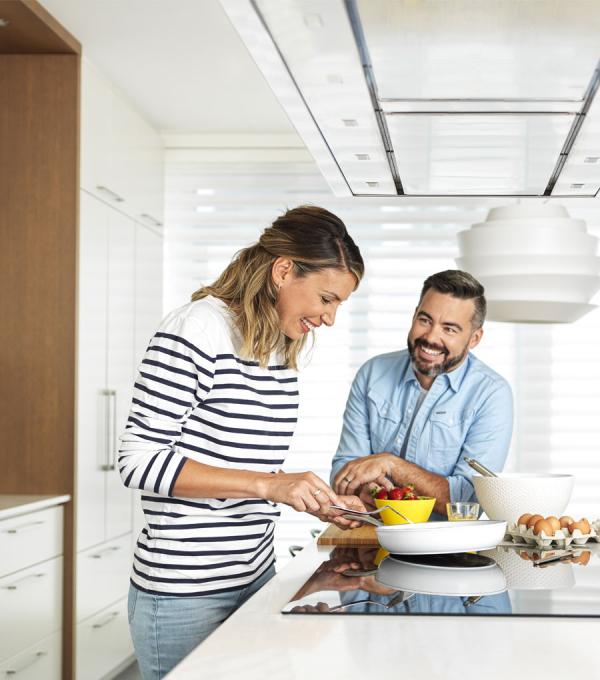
(505, 581)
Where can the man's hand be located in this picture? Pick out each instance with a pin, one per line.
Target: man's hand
(357, 473)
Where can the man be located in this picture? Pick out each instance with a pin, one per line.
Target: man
(413, 415)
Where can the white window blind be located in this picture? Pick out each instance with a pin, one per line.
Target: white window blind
(554, 370)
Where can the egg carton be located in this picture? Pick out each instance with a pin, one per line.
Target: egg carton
(561, 539)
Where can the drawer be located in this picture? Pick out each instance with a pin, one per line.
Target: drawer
(42, 660)
(103, 642)
(103, 575)
(31, 606)
(31, 538)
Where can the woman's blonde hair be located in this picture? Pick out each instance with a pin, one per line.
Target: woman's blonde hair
(314, 239)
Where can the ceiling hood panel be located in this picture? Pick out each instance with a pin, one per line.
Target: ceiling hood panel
(316, 42)
(436, 98)
(469, 49)
(511, 154)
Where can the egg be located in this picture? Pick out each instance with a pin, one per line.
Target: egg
(554, 522)
(584, 558)
(565, 520)
(533, 519)
(583, 525)
(523, 519)
(543, 525)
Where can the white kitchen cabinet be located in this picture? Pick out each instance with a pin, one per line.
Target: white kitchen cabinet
(121, 154)
(41, 660)
(31, 587)
(102, 575)
(105, 368)
(103, 642)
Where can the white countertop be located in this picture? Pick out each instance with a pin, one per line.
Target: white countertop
(21, 504)
(259, 643)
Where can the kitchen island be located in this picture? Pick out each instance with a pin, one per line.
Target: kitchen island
(259, 642)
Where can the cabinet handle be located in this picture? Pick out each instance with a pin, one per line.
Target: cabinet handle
(23, 527)
(36, 657)
(152, 220)
(111, 617)
(110, 431)
(115, 197)
(294, 549)
(101, 553)
(15, 584)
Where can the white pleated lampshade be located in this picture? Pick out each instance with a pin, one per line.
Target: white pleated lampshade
(536, 263)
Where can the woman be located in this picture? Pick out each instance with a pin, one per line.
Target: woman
(214, 409)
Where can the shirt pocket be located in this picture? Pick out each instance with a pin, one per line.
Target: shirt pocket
(447, 434)
(384, 420)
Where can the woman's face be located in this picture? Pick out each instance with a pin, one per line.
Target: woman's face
(306, 302)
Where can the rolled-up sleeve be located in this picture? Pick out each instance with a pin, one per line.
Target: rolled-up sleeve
(355, 440)
(175, 375)
(487, 440)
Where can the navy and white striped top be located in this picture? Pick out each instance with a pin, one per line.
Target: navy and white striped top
(195, 398)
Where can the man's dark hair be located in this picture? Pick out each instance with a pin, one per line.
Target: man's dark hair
(460, 285)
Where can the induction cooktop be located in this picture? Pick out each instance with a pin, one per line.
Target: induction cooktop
(505, 581)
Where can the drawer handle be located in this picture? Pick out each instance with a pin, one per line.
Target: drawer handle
(15, 584)
(23, 527)
(152, 220)
(115, 197)
(36, 657)
(111, 617)
(106, 551)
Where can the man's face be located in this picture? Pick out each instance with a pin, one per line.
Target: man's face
(441, 333)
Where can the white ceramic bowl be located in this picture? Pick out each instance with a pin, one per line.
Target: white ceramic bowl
(498, 265)
(510, 495)
(523, 211)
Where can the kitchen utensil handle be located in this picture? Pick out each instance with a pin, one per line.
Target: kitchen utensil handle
(363, 518)
(479, 467)
(554, 558)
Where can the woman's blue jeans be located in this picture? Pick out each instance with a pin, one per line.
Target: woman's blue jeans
(166, 629)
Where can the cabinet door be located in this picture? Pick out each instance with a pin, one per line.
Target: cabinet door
(120, 369)
(148, 313)
(92, 441)
(96, 102)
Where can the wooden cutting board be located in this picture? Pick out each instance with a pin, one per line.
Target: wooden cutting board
(364, 535)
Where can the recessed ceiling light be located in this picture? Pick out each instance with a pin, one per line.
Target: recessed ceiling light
(577, 185)
(350, 122)
(362, 156)
(372, 184)
(591, 159)
(333, 78)
(205, 208)
(4, 23)
(313, 20)
(205, 192)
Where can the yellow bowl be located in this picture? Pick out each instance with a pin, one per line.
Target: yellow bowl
(416, 511)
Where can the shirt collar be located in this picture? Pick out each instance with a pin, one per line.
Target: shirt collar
(453, 379)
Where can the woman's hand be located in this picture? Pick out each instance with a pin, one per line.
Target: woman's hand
(303, 491)
(336, 516)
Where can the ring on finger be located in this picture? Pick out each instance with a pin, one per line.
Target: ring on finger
(317, 492)
(348, 479)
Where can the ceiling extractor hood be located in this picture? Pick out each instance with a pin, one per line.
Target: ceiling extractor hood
(436, 98)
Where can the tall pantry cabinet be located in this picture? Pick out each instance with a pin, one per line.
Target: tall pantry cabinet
(119, 307)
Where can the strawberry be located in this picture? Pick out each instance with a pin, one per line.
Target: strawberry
(395, 494)
(382, 494)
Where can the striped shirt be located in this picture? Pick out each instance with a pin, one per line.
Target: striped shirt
(195, 398)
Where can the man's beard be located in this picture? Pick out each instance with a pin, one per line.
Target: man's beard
(435, 369)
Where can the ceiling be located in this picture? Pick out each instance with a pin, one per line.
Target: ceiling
(180, 63)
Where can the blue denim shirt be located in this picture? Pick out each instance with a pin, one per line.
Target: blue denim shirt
(467, 412)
